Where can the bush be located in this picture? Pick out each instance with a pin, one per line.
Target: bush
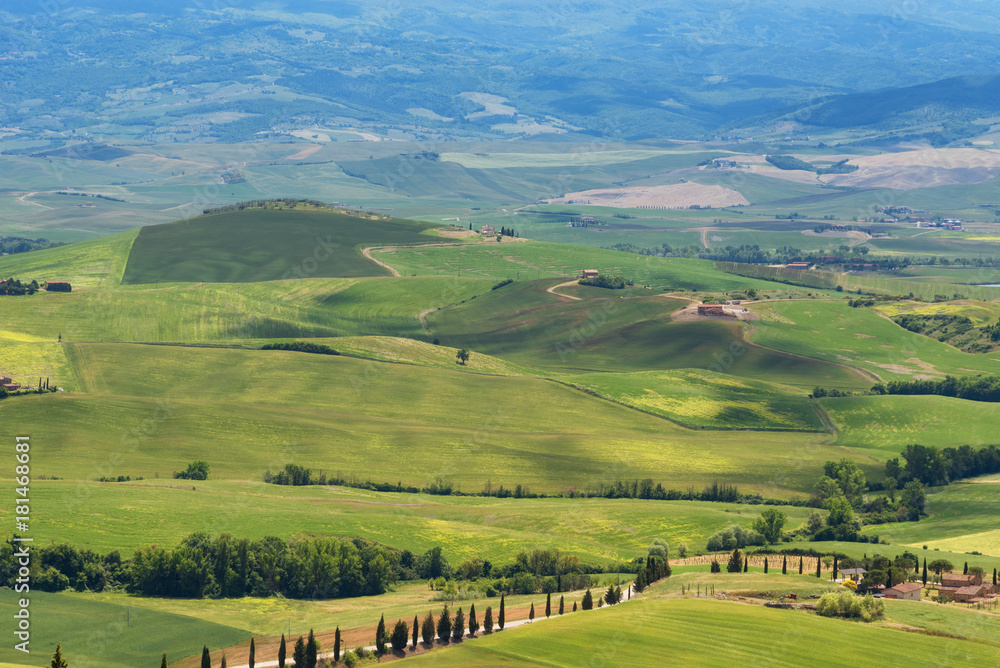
(848, 605)
(195, 471)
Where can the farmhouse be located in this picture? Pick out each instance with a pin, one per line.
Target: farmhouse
(8, 384)
(908, 591)
(589, 273)
(488, 229)
(958, 580)
(964, 594)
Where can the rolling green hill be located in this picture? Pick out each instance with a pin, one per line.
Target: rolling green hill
(264, 244)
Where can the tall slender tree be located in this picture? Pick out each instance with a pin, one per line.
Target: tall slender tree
(819, 568)
(924, 577)
(224, 664)
(299, 653)
(444, 625)
(784, 565)
(765, 565)
(965, 571)
(834, 567)
(800, 565)
(312, 650)
(336, 645)
(548, 605)
(531, 613)
(206, 658)
(253, 654)
(281, 652)
(416, 632)
(458, 627)
(488, 620)
(473, 622)
(500, 616)
(427, 629)
(380, 637)
(588, 601)
(163, 661)
(562, 604)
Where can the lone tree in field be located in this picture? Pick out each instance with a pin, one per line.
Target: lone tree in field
(531, 613)
(800, 565)
(336, 645)
(769, 525)
(562, 604)
(735, 564)
(206, 658)
(784, 565)
(463, 356)
(500, 617)
(444, 625)
(224, 663)
(488, 620)
(765, 565)
(427, 629)
(588, 601)
(819, 567)
(380, 637)
(59, 662)
(473, 622)
(312, 650)
(548, 604)
(250, 661)
(416, 632)
(400, 633)
(163, 661)
(281, 652)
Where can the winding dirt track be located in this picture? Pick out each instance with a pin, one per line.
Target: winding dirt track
(367, 253)
(553, 289)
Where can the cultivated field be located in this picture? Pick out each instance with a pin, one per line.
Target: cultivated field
(677, 196)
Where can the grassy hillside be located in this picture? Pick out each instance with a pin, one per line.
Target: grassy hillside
(85, 264)
(642, 633)
(342, 415)
(264, 244)
(103, 633)
(833, 331)
(886, 424)
(706, 399)
(125, 516)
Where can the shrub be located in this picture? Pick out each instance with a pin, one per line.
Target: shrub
(848, 605)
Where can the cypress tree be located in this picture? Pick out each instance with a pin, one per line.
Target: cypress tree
(163, 661)
(336, 645)
(253, 654)
(925, 572)
(281, 652)
(548, 605)
(224, 664)
(500, 617)
(834, 567)
(916, 567)
(562, 604)
(994, 574)
(488, 620)
(59, 662)
(312, 650)
(588, 601)
(299, 652)
(380, 637)
(206, 658)
(784, 565)
(399, 635)
(416, 632)
(473, 622)
(574, 606)
(800, 565)
(746, 566)
(765, 565)
(965, 571)
(444, 625)
(458, 628)
(427, 629)
(531, 613)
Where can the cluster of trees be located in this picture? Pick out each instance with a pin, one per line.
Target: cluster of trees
(224, 567)
(610, 282)
(11, 245)
(973, 388)
(841, 491)
(500, 284)
(302, 347)
(846, 604)
(197, 470)
(931, 466)
(656, 569)
(13, 287)
(506, 232)
(267, 203)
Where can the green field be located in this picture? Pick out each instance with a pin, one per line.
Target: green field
(86, 264)
(110, 633)
(691, 633)
(340, 414)
(264, 245)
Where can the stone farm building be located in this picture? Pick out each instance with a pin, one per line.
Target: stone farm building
(488, 229)
(907, 591)
(957, 580)
(8, 384)
(589, 273)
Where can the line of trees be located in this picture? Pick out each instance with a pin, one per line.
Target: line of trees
(605, 281)
(973, 388)
(934, 467)
(302, 347)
